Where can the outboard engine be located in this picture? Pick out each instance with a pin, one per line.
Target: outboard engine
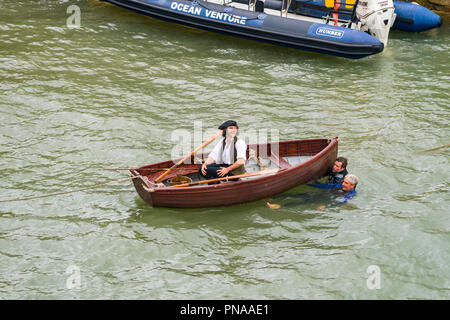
(376, 17)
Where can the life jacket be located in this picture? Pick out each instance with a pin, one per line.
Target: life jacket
(233, 153)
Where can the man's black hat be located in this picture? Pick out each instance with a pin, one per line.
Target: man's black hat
(227, 124)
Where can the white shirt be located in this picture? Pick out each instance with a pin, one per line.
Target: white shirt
(241, 149)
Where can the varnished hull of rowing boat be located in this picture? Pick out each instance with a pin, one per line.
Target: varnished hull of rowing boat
(323, 152)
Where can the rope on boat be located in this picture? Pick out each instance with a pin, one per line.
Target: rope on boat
(71, 191)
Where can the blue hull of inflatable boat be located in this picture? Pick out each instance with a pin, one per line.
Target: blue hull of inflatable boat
(414, 17)
(304, 35)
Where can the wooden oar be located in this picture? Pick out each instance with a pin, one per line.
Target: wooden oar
(244, 175)
(144, 169)
(204, 144)
(150, 169)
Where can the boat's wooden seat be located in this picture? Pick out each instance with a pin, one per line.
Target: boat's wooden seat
(279, 161)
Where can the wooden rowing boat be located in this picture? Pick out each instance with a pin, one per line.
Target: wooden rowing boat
(272, 168)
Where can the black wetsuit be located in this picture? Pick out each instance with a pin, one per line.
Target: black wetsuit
(336, 177)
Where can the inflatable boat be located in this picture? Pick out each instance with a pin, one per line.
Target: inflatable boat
(276, 22)
(413, 17)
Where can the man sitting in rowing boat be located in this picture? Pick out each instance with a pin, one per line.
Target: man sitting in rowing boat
(345, 190)
(228, 156)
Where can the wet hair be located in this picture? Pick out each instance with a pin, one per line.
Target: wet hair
(352, 179)
(343, 161)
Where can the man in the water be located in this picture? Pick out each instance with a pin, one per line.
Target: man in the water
(336, 175)
(338, 171)
(347, 188)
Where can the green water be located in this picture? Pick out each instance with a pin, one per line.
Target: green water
(113, 92)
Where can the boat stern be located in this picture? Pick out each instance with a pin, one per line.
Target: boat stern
(141, 184)
(355, 43)
(377, 18)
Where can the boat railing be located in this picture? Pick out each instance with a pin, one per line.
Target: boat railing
(285, 7)
(251, 5)
(353, 17)
(336, 10)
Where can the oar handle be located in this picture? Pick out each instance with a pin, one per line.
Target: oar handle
(204, 144)
(244, 175)
(150, 169)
